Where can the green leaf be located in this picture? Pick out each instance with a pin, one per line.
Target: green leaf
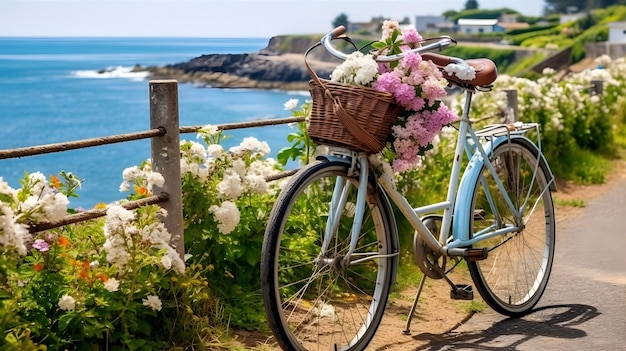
(65, 320)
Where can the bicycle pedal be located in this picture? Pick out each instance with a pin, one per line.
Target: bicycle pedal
(462, 292)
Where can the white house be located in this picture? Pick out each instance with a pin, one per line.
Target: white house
(617, 32)
(476, 26)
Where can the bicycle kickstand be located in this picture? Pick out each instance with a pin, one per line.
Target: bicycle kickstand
(407, 329)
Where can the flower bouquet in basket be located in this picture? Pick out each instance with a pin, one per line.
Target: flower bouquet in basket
(410, 89)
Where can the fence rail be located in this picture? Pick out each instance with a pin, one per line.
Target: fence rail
(164, 133)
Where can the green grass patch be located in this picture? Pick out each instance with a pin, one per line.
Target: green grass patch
(570, 203)
(474, 306)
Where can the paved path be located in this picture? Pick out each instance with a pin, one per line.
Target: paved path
(584, 306)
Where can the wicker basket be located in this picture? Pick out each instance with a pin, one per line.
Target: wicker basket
(356, 117)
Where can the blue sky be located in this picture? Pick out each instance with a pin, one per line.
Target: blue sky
(214, 18)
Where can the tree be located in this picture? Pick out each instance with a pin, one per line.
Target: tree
(341, 20)
(471, 5)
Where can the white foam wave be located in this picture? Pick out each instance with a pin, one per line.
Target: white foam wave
(112, 72)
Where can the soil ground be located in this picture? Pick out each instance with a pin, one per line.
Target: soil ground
(436, 313)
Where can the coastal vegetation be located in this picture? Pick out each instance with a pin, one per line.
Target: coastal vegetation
(117, 284)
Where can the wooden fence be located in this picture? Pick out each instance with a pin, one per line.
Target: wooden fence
(164, 133)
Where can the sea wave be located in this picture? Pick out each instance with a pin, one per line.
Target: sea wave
(112, 72)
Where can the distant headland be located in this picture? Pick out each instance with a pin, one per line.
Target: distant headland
(280, 65)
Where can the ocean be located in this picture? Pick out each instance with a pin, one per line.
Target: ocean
(51, 90)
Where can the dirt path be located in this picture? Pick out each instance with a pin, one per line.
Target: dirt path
(436, 313)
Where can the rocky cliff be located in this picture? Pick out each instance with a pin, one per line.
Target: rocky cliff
(280, 65)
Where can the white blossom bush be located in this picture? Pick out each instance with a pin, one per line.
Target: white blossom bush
(226, 203)
(575, 124)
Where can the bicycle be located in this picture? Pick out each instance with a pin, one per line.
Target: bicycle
(331, 251)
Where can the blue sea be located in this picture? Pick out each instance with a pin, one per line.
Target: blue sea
(51, 91)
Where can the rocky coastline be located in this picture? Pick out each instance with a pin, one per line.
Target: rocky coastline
(280, 66)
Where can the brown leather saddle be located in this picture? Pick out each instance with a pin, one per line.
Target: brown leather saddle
(486, 70)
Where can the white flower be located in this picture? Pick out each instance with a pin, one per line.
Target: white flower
(291, 104)
(464, 72)
(207, 131)
(131, 173)
(227, 215)
(67, 303)
(125, 187)
(215, 150)
(6, 189)
(154, 179)
(358, 68)
(153, 302)
(112, 284)
(239, 166)
(230, 186)
(257, 184)
(12, 233)
(54, 206)
(166, 262)
(251, 145)
(37, 182)
(388, 27)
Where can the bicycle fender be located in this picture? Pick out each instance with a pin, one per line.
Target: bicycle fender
(464, 196)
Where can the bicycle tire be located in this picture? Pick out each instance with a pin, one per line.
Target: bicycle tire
(516, 272)
(326, 306)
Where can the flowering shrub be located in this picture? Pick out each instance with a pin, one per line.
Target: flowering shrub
(416, 84)
(226, 202)
(113, 283)
(575, 124)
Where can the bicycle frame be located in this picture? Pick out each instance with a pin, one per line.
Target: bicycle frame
(451, 242)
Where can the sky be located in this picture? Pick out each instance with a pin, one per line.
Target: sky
(215, 18)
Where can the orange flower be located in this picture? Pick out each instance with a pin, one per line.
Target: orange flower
(100, 206)
(63, 241)
(37, 267)
(54, 182)
(102, 277)
(74, 262)
(141, 190)
(83, 274)
(86, 265)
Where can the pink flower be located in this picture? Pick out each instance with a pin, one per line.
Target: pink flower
(41, 245)
(418, 86)
(412, 37)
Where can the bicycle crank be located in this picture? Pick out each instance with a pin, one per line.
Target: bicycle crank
(430, 262)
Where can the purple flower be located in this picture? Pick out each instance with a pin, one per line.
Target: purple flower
(41, 245)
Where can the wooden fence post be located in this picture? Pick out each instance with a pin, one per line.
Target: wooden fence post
(596, 87)
(165, 152)
(512, 105)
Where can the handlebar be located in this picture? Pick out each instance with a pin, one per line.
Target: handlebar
(442, 43)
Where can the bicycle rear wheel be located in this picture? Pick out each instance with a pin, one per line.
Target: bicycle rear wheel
(314, 300)
(515, 274)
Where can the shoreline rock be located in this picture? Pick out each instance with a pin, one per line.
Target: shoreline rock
(270, 68)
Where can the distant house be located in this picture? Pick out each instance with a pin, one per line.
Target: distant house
(476, 26)
(617, 32)
(433, 24)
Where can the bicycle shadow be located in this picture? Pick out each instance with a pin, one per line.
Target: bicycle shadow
(556, 321)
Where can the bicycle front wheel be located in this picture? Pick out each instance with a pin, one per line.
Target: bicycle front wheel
(316, 299)
(515, 274)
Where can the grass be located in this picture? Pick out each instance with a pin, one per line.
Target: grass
(570, 203)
